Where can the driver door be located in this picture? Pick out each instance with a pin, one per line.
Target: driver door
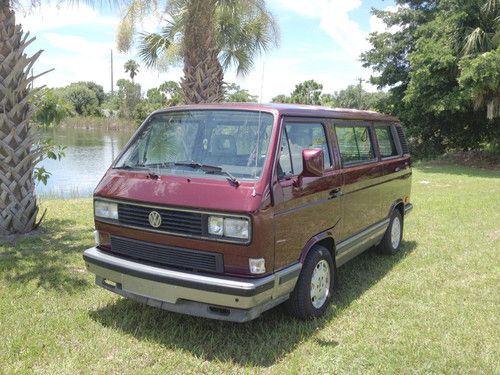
(307, 206)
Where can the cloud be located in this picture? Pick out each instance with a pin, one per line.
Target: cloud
(77, 42)
(377, 25)
(334, 20)
(52, 17)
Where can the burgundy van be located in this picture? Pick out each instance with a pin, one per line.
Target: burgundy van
(224, 211)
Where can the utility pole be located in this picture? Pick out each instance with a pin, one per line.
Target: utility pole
(112, 87)
(360, 80)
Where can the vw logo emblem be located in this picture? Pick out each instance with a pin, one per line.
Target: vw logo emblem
(154, 219)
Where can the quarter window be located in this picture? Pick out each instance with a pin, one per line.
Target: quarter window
(386, 143)
(354, 144)
(296, 138)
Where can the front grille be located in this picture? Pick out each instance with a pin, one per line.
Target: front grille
(187, 223)
(194, 260)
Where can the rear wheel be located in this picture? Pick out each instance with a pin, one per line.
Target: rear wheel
(313, 291)
(391, 242)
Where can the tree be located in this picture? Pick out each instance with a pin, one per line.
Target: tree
(172, 92)
(129, 96)
(207, 36)
(307, 92)
(19, 153)
(427, 64)
(50, 109)
(132, 68)
(234, 94)
(96, 88)
(281, 99)
(83, 99)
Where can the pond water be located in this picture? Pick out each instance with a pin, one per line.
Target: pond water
(89, 153)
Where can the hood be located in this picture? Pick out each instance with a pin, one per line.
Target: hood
(180, 191)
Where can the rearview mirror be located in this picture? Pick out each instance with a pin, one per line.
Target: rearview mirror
(313, 162)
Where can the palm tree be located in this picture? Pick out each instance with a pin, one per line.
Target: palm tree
(132, 68)
(20, 150)
(479, 34)
(207, 36)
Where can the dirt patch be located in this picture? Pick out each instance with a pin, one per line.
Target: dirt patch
(476, 159)
(495, 235)
(14, 238)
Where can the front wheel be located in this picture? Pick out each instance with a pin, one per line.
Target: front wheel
(313, 291)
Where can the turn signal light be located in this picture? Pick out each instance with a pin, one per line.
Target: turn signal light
(257, 265)
(102, 238)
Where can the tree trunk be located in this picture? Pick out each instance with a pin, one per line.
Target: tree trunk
(18, 208)
(203, 73)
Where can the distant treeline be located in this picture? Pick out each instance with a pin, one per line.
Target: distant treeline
(88, 99)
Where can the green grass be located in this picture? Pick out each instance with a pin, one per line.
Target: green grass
(433, 308)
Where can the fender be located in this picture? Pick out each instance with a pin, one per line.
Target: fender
(393, 207)
(328, 233)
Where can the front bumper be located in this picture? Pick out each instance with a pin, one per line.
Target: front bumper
(217, 297)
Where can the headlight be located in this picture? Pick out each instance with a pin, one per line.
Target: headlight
(236, 228)
(216, 225)
(228, 227)
(106, 210)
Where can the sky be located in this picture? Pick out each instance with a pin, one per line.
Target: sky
(319, 39)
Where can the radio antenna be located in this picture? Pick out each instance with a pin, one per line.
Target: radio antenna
(262, 81)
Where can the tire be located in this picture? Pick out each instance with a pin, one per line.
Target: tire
(391, 242)
(301, 304)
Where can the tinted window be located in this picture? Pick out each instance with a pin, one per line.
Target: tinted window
(236, 141)
(386, 143)
(296, 138)
(354, 144)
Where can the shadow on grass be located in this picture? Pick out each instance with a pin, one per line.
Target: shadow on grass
(47, 258)
(261, 342)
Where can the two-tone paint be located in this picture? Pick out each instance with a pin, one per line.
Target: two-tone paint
(345, 209)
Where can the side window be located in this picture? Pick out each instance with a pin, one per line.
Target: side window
(296, 138)
(355, 145)
(386, 143)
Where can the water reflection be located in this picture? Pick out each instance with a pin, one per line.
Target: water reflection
(88, 154)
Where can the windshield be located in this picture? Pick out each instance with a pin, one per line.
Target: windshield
(229, 142)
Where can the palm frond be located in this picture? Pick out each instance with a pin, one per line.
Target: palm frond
(477, 41)
(151, 46)
(133, 15)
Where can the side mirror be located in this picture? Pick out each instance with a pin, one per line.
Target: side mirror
(313, 162)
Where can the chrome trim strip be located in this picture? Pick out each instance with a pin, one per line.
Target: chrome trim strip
(167, 208)
(204, 282)
(227, 285)
(351, 241)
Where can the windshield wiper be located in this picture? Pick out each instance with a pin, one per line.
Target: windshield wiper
(151, 173)
(209, 169)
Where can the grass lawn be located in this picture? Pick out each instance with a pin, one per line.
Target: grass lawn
(433, 308)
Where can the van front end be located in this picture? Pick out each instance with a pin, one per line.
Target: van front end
(184, 216)
(179, 265)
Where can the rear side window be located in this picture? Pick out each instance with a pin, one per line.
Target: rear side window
(296, 138)
(355, 145)
(402, 140)
(386, 143)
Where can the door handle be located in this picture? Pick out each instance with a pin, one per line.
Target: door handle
(335, 193)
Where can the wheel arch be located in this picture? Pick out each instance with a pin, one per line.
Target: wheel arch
(398, 205)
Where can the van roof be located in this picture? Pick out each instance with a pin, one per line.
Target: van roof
(293, 110)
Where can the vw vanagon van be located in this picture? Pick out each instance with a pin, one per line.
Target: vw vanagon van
(225, 211)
